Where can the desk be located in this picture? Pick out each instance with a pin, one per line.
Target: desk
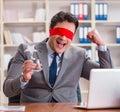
(57, 107)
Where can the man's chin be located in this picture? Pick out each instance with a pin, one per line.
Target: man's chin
(60, 51)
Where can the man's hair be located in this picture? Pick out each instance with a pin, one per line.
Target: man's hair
(63, 16)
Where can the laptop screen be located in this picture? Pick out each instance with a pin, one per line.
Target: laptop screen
(104, 88)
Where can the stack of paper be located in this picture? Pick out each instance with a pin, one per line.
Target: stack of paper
(12, 108)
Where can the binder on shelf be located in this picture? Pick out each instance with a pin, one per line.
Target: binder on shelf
(15, 38)
(81, 12)
(96, 11)
(8, 37)
(72, 10)
(76, 11)
(105, 14)
(85, 34)
(81, 34)
(18, 38)
(85, 10)
(83, 30)
(89, 29)
(101, 11)
(118, 34)
(40, 15)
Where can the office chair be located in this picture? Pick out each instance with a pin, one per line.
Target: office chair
(16, 99)
(79, 94)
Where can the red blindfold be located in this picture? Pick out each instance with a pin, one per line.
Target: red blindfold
(62, 32)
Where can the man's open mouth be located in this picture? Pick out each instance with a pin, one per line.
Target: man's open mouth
(61, 44)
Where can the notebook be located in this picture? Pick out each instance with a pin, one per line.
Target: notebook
(104, 89)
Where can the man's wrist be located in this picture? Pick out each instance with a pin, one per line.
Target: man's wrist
(23, 79)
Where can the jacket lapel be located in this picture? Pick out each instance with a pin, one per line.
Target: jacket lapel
(65, 62)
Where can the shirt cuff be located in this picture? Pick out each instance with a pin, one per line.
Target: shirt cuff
(23, 84)
(102, 48)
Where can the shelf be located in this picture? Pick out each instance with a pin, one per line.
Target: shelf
(82, 45)
(26, 9)
(114, 1)
(11, 46)
(24, 22)
(113, 45)
(85, 21)
(109, 22)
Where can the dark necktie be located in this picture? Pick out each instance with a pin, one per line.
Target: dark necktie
(53, 70)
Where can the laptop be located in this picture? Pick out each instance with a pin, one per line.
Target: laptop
(104, 89)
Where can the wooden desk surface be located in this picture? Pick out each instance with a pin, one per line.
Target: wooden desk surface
(57, 107)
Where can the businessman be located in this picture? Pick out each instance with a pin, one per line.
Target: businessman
(62, 64)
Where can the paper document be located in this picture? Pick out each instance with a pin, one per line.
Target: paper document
(12, 108)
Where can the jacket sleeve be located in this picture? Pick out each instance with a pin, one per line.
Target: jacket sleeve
(104, 62)
(12, 85)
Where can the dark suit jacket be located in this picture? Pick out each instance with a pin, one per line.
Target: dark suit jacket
(75, 64)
